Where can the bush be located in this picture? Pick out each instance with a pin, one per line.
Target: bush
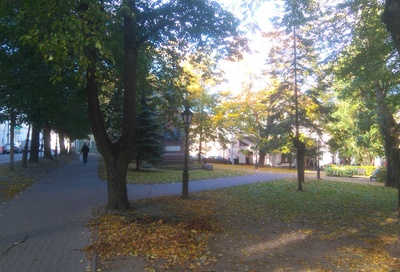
(381, 175)
(368, 170)
(340, 171)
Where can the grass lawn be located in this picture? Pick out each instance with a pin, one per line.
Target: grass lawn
(330, 226)
(162, 176)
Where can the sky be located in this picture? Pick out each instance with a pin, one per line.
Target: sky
(238, 72)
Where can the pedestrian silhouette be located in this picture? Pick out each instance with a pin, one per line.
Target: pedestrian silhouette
(84, 153)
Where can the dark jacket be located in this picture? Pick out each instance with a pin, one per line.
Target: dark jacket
(85, 149)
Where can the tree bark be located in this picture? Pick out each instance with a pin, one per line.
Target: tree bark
(47, 143)
(391, 17)
(261, 158)
(300, 151)
(116, 155)
(199, 159)
(390, 131)
(61, 139)
(117, 193)
(34, 154)
(25, 149)
(12, 130)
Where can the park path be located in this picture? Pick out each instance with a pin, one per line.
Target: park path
(44, 229)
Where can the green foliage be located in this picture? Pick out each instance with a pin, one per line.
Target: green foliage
(348, 171)
(149, 135)
(27, 80)
(381, 175)
(364, 72)
(354, 133)
(368, 169)
(340, 171)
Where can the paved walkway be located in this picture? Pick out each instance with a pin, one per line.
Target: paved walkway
(44, 228)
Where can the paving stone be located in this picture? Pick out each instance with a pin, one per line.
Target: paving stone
(44, 229)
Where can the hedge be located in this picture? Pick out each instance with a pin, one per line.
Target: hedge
(340, 171)
(347, 171)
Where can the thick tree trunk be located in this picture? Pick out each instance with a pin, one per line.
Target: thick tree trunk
(61, 139)
(261, 159)
(34, 154)
(116, 155)
(392, 162)
(46, 142)
(390, 131)
(391, 17)
(117, 168)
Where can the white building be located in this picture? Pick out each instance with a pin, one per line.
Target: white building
(20, 133)
(236, 155)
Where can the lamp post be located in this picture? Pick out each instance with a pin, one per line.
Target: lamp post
(187, 118)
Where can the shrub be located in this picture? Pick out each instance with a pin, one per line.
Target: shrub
(381, 176)
(339, 171)
(368, 169)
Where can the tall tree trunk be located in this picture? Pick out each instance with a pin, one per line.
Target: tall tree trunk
(25, 149)
(116, 155)
(117, 193)
(34, 154)
(70, 151)
(200, 146)
(391, 17)
(12, 131)
(47, 143)
(138, 161)
(300, 151)
(261, 158)
(390, 131)
(61, 139)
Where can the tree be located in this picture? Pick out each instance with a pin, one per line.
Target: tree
(391, 17)
(28, 84)
(108, 38)
(298, 15)
(367, 66)
(200, 75)
(149, 136)
(354, 132)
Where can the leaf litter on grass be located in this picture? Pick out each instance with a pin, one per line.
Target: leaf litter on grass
(330, 226)
(13, 182)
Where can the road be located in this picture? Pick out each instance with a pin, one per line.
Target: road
(4, 158)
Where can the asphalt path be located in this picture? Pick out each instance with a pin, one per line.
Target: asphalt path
(45, 227)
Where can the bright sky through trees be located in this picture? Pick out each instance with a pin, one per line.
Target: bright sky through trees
(250, 68)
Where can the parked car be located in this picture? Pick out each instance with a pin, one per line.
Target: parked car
(215, 159)
(6, 148)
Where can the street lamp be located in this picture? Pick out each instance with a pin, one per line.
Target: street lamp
(187, 118)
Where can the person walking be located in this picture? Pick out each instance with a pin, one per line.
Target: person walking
(84, 153)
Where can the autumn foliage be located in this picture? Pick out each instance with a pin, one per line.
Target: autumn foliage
(180, 240)
(271, 226)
